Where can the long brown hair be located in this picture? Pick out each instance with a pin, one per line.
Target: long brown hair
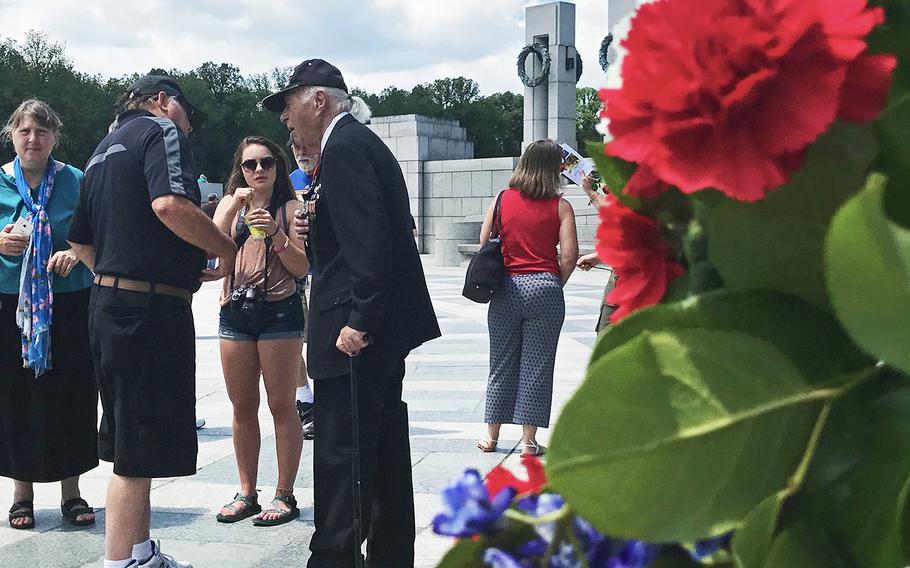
(281, 191)
(538, 171)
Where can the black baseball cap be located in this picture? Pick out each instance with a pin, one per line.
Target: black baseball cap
(153, 84)
(312, 72)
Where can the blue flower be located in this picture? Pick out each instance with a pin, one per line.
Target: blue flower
(540, 505)
(631, 554)
(707, 547)
(533, 548)
(468, 508)
(498, 559)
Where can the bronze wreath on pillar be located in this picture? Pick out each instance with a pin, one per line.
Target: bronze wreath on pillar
(543, 55)
(604, 49)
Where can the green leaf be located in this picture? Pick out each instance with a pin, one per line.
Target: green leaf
(892, 128)
(677, 434)
(752, 542)
(701, 277)
(867, 265)
(803, 546)
(614, 172)
(465, 554)
(811, 337)
(865, 510)
(894, 135)
(897, 197)
(777, 243)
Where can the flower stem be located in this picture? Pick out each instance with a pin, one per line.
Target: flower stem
(796, 481)
(555, 516)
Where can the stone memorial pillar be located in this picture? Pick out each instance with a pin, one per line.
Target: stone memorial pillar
(552, 69)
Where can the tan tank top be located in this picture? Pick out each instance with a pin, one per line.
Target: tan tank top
(248, 268)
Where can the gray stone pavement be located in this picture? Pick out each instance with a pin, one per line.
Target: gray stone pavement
(444, 389)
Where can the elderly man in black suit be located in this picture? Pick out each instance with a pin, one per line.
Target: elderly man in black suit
(369, 298)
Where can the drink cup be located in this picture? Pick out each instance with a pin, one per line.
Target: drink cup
(256, 233)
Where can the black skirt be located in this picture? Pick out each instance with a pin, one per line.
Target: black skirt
(48, 425)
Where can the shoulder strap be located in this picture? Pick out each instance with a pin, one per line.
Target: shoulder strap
(497, 217)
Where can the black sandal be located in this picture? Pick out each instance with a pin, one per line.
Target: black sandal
(22, 510)
(283, 516)
(75, 507)
(252, 508)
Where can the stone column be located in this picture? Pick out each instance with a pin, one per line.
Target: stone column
(549, 108)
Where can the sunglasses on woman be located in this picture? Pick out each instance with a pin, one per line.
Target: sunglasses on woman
(250, 165)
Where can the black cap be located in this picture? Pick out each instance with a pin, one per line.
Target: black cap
(153, 84)
(312, 72)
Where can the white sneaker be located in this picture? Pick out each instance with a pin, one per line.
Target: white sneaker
(161, 560)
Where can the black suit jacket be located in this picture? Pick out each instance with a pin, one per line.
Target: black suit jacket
(366, 268)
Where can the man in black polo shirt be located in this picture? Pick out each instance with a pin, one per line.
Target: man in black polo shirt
(139, 227)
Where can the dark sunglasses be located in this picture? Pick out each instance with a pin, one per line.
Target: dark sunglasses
(267, 163)
(194, 115)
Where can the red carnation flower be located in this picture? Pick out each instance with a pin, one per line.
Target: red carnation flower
(729, 94)
(500, 478)
(632, 244)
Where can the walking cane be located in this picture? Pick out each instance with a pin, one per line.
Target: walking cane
(355, 462)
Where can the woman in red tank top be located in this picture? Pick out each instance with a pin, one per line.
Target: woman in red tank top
(526, 314)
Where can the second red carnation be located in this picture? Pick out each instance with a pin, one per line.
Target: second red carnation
(645, 265)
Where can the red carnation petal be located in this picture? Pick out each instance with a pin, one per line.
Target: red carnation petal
(866, 87)
(501, 478)
(847, 22)
(537, 477)
(498, 479)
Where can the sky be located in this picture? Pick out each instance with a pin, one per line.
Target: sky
(375, 43)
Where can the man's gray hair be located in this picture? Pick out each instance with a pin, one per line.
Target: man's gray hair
(342, 102)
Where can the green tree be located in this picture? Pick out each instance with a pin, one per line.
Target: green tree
(39, 68)
(587, 116)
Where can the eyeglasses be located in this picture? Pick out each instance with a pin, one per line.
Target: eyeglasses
(266, 163)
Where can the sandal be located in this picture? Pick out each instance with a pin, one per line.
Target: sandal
(487, 445)
(283, 516)
(533, 449)
(237, 514)
(22, 510)
(75, 507)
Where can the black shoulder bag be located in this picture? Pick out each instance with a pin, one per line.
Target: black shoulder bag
(487, 270)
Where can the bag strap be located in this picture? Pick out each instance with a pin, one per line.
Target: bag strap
(284, 218)
(497, 217)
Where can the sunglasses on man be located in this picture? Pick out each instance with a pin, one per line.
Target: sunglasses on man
(266, 163)
(193, 114)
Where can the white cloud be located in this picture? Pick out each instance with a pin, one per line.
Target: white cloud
(376, 43)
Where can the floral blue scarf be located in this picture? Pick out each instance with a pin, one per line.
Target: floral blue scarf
(33, 314)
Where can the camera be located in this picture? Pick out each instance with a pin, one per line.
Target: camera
(246, 299)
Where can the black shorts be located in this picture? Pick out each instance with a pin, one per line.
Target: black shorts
(144, 349)
(282, 319)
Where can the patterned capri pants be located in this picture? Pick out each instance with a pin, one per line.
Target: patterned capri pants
(524, 319)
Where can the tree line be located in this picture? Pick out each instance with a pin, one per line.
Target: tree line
(39, 67)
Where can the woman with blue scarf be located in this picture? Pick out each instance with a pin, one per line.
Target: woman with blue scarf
(48, 390)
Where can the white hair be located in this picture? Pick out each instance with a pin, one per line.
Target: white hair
(342, 101)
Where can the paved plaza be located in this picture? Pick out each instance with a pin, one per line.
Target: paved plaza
(444, 389)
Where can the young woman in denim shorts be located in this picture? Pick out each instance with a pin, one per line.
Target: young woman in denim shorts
(262, 322)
